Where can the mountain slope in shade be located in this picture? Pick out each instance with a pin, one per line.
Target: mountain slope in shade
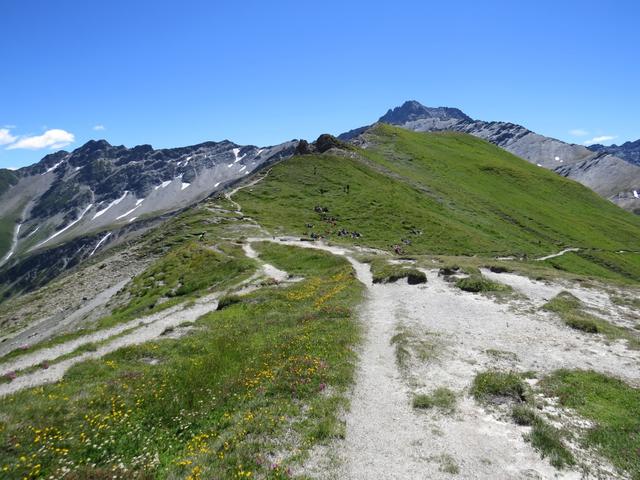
(609, 176)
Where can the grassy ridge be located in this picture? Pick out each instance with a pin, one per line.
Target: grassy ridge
(256, 384)
(448, 194)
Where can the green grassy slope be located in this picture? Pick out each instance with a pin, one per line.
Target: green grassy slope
(251, 379)
(447, 194)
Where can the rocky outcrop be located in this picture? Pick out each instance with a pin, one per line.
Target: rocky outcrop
(324, 143)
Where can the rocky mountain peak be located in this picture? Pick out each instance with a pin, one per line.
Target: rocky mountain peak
(412, 110)
(93, 145)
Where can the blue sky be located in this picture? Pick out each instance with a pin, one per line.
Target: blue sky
(182, 72)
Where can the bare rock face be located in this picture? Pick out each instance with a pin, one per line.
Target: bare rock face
(615, 178)
(629, 151)
(414, 111)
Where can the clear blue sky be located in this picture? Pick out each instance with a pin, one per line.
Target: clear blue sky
(261, 72)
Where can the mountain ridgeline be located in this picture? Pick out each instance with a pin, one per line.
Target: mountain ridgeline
(615, 178)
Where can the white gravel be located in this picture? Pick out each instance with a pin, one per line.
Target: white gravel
(387, 439)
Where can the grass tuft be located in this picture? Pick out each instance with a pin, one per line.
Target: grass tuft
(523, 415)
(442, 398)
(384, 272)
(477, 284)
(494, 384)
(227, 301)
(409, 344)
(547, 440)
(571, 310)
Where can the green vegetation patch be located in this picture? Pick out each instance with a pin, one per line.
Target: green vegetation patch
(7, 179)
(571, 311)
(188, 270)
(265, 376)
(442, 398)
(385, 272)
(479, 284)
(612, 406)
(545, 438)
(288, 258)
(495, 384)
(228, 300)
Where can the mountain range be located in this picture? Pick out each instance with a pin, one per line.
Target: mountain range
(64, 209)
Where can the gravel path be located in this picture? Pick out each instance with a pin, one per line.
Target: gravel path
(559, 254)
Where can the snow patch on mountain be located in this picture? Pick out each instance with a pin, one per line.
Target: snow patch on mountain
(112, 204)
(59, 232)
(102, 240)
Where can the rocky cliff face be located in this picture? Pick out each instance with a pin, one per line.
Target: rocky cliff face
(629, 151)
(610, 176)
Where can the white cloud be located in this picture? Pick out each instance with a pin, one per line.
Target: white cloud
(54, 139)
(6, 137)
(578, 132)
(99, 128)
(600, 139)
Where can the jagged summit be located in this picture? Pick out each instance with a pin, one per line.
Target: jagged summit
(412, 110)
